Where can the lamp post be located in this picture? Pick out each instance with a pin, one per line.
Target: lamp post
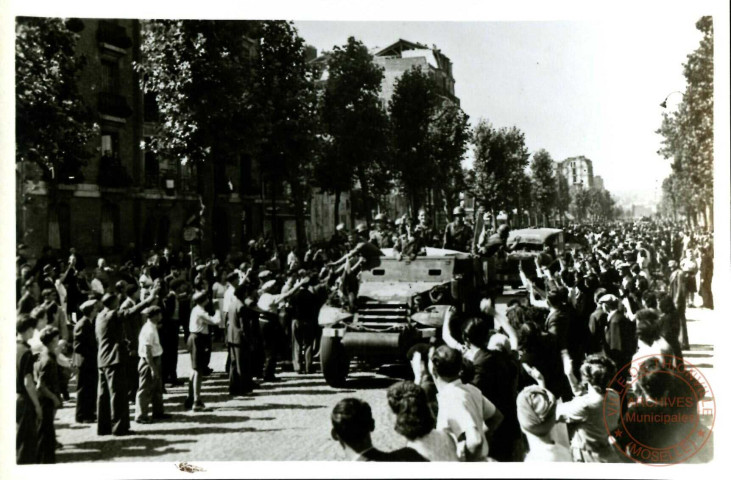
(664, 103)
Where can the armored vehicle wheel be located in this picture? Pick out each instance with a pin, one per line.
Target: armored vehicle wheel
(334, 361)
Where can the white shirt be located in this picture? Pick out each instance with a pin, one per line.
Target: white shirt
(62, 293)
(97, 286)
(149, 336)
(228, 298)
(269, 302)
(197, 320)
(145, 286)
(462, 407)
(544, 452)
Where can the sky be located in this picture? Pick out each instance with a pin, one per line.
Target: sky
(574, 88)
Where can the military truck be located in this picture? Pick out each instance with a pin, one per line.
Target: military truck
(400, 303)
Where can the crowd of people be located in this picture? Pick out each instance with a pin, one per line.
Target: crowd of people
(532, 384)
(494, 389)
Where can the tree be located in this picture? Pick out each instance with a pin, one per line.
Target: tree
(200, 72)
(688, 132)
(449, 137)
(412, 107)
(53, 125)
(563, 195)
(580, 202)
(543, 183)
(500, 161)
(354, 124)
(284, 98)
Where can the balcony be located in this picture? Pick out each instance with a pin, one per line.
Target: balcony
(113, 105)
(113, 34)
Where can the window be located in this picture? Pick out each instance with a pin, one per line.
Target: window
(110, 76)
(110, 144)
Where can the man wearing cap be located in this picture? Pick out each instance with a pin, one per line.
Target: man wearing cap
(536, 408)
(457, 234)
(150, 369)
(172, 313)
(306, 305)
(112, 358)
(269, 304)
(426, 234)
(678, 290)
(199, 347)
(621, 340)
(381, 237)
(85, 358)
(239, 346)
(367, 253)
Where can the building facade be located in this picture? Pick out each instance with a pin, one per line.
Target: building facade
(578, 171)
(403, 55)
(127, 196)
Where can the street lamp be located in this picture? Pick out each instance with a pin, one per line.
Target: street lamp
(664, 103)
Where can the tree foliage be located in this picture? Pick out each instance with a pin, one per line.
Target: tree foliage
(580, 202)
(563, 194)
(543, 182)
(284, 99)
(501, 158)
(200, 74)
(354, 124)
(412, 107)
(688, 132)
(53, 125)
(449, 138)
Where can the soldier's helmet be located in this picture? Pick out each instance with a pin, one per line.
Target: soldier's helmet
(361, 228)
(381, 217)
(458, 211)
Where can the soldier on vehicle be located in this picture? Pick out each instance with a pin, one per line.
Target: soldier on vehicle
(458, 235)
(498, 242)
(381, 236)
(424, 232)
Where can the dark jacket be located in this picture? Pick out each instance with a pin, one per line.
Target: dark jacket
(85, 343)
(621, 339)
(112, 349)
(405, 454)
(234, 323)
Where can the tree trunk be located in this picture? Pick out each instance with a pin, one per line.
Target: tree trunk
(352, 210)
(274, 210)
(207, 191)
(365, 195)
(299, 217)
(336, 209)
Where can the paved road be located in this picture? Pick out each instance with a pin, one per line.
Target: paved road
(287, 420)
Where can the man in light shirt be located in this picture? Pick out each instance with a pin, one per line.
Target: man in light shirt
(463, 410)
(271, 330)
(199, 348)
(150, 352)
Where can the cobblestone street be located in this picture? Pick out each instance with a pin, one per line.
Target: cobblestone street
(286, 420)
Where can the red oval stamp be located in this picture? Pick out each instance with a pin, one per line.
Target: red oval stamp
(659, 410)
